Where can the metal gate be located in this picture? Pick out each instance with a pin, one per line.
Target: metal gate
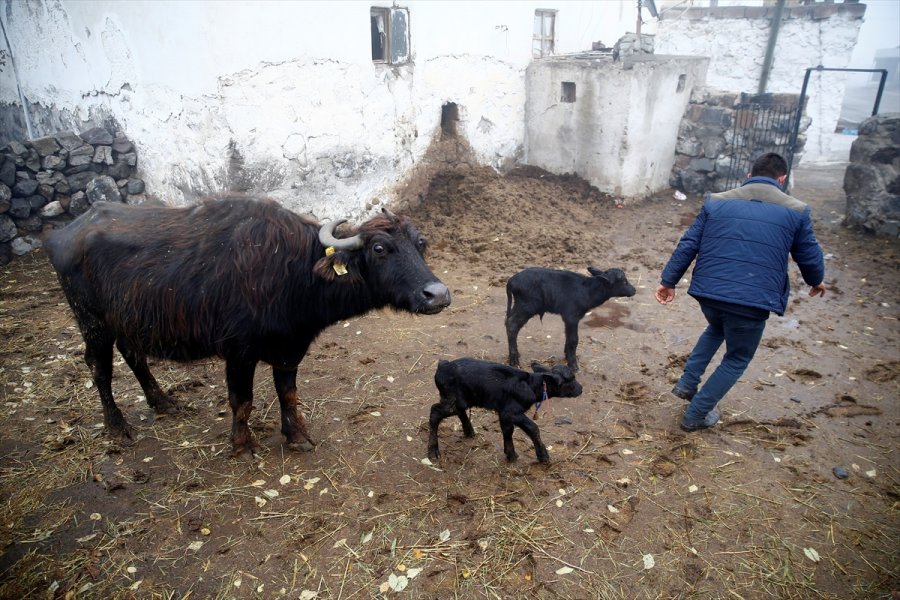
(764, 126)
(759, 128)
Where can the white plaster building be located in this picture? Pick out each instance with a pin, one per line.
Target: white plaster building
(326, 106)
(284, 97)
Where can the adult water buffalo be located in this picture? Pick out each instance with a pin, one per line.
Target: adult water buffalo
(235, 277)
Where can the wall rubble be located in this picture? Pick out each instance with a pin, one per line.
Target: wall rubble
(48, 181)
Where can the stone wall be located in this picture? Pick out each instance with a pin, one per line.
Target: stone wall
(872, 179)
(736, 38)
(703, 154)
(47, 182)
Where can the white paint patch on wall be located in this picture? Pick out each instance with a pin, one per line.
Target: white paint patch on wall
(737, 49)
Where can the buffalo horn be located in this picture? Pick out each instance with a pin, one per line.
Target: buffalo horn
(388, 213)
(326, 236)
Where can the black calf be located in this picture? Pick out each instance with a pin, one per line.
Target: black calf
(536, 291)
(468, 382)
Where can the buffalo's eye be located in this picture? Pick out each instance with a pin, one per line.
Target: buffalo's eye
(422, 243)
(378, 248)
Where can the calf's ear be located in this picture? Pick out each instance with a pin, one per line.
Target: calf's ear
(539, 368)
(552, 379)
(604, 275)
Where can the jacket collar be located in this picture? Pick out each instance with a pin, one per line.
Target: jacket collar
(759, 179)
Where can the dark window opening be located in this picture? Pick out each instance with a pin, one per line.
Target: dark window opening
(379, 19)
(449, 119)
(390, 35)
(568, 91)
(682, 79)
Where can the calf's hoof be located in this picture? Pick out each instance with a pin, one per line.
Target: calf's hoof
(544, 458)
(512, 457)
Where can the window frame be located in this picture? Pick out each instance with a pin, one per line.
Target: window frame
(390, 17)
(538, 40)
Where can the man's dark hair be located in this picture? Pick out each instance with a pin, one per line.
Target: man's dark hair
(769, 165)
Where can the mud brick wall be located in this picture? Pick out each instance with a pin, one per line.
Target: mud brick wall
(703, 154)
(47, 182)
(872, 179)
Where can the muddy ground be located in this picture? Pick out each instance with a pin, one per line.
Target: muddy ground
(630, 506)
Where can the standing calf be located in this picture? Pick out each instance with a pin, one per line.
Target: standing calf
(468, 382)
(536, 291)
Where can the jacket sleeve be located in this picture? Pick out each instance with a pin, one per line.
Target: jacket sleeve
(685, 251)
(807, 253)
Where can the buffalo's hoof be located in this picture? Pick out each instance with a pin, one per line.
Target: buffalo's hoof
(301, 446)
(250, 447)
(544, 459)
(434, 454)
(126, 438)
(165, 405)
(121, 431)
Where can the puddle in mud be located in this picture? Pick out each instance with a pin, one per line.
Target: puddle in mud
(612, 317)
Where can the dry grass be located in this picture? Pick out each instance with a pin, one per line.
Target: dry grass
(731, 513)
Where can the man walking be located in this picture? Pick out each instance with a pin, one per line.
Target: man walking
(741, 239)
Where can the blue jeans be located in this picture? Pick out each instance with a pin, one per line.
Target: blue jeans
(741, 336)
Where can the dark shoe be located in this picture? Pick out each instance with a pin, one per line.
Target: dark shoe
(712, 417)
(683, 393)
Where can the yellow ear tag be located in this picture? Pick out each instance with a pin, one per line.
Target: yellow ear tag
(339, 267)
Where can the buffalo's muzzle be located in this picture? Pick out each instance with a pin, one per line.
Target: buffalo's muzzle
(436, 298)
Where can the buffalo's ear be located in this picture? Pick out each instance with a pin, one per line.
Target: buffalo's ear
(336, 267)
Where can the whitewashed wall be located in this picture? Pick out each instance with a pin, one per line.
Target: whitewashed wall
(621, 130)
(283, 97)
(737, 49)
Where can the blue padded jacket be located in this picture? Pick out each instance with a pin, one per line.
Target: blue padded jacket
(742, 239)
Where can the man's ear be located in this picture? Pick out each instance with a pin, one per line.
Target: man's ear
(782, 179)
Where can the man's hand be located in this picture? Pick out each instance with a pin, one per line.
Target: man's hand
(664, 294)
(817, 290)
